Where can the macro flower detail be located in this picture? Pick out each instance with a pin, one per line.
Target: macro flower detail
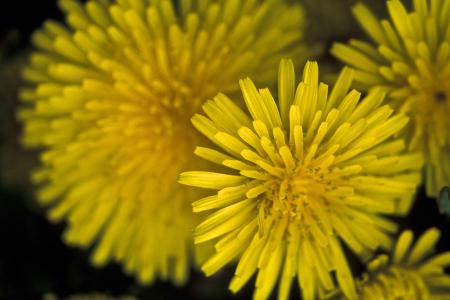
(306, 173)
(109, 101)
(410, 272)
(410, 58)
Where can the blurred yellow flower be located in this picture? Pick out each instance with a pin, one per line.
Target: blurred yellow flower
(109, 102)
(409, 273)
(410, 57)
(307, 172)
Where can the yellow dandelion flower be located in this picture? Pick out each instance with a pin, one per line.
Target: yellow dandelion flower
(109, 102)
(307, 173)
(411, 59)
(410, 272)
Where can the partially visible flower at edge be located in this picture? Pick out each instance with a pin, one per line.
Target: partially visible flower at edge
(411, 60)
(410, 272)
(109, 102)
(305, 174)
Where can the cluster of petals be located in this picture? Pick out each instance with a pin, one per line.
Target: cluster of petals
(109, 98)
(306, 173)
(409, 57)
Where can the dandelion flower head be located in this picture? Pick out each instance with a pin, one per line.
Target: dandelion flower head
(306, 172)
(109, 101)
(410, 272)
(410, 57)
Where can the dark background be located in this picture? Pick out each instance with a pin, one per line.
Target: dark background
(33, 259)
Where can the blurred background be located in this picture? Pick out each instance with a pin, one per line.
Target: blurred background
(35, 264)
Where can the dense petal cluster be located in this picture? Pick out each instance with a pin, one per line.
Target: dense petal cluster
(409, 273)
(304, 174)
(410, 57)
(109, 101)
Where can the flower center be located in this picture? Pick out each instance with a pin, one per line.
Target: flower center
(432, 104)
(434, 95)
(300, 195)
(440, 96)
